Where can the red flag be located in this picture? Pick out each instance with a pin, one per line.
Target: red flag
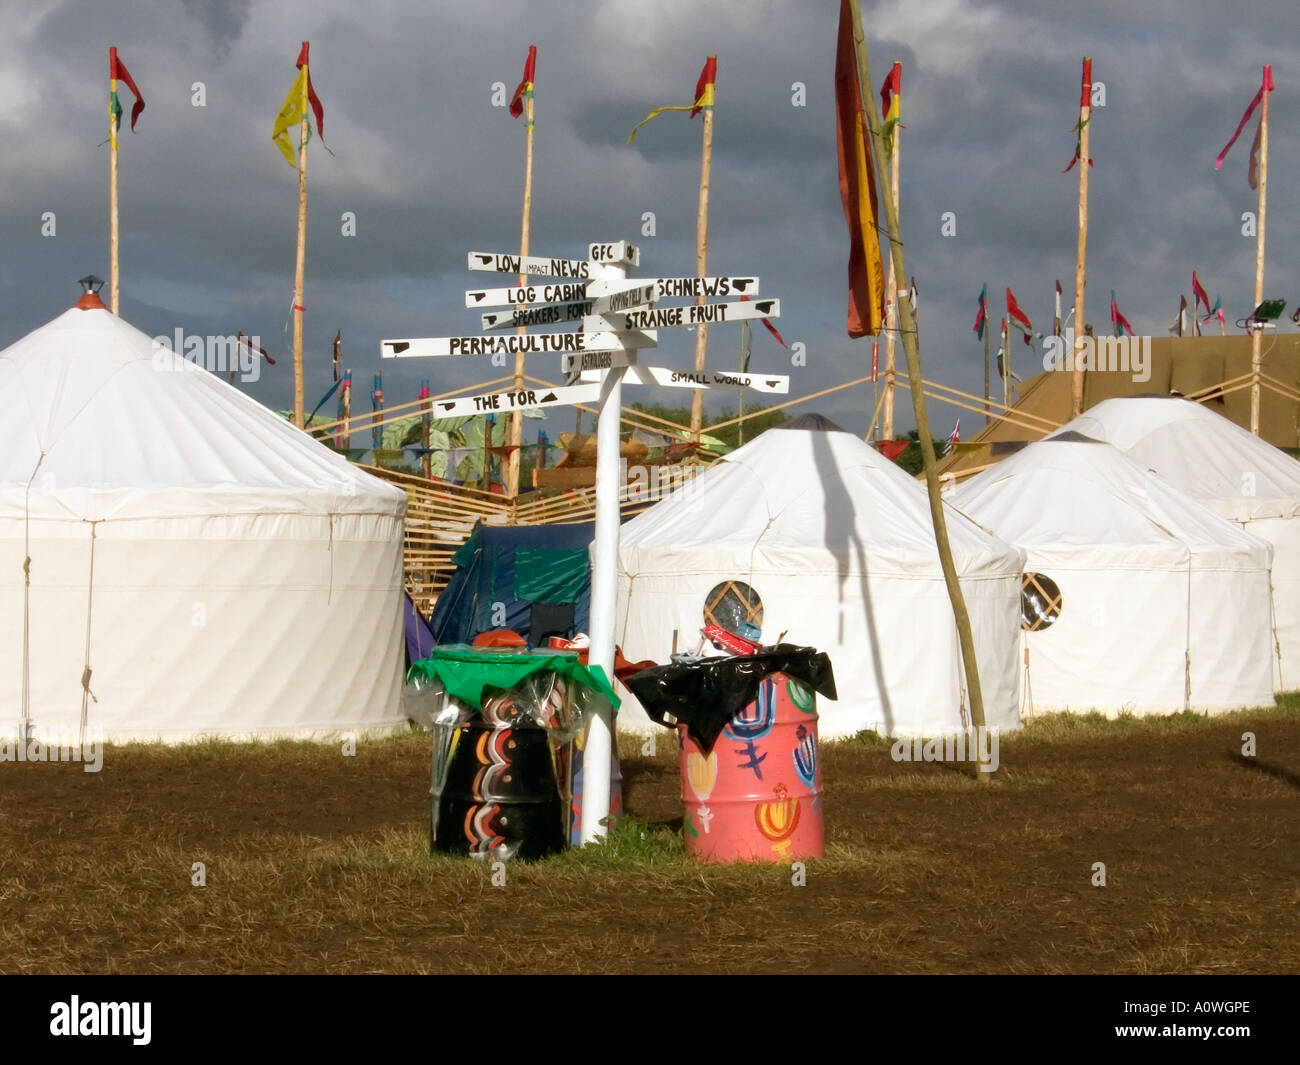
(1198, 293)
(769, 326)
(525, 87)
(312, 98)
(1266, 85)
(857, 189)
(117, 72)
(1085, 100)
(1117, 319)
(704, 85)
(1019, 318)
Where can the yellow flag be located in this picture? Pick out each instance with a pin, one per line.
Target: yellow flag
(291, 114)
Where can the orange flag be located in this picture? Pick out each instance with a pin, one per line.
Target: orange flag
(857, 190)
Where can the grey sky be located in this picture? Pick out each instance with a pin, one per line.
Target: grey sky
(432, 170)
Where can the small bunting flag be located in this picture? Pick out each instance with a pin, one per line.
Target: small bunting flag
(704, 92)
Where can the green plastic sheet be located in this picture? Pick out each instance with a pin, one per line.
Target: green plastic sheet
(465, 671)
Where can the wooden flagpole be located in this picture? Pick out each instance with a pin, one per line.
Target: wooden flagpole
(515, 431)
(1081, 259)
(1004, 352)
(701, 265)
(1256, 334)
(112, 193)
(300, 257)
(915, 386)
(891, 293)
(988, 364)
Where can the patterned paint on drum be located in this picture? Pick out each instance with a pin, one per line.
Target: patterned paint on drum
(761, 798)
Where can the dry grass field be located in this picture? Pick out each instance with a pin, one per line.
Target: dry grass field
(319, 863)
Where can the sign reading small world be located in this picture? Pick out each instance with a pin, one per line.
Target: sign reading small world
(773, 384)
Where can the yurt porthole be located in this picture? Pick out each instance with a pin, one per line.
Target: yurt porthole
(734, 606)
(1040, 602)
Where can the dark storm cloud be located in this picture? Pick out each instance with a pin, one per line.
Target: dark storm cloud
(431, 169)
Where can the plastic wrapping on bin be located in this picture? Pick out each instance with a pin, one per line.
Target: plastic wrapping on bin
(703, 695)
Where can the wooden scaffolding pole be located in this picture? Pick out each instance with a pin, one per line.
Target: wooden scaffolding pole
(1256, 334)
(300, 254)
(112, 192)
(912, 349)
(1081, 258)
(891, 297)
(702, 262)
(515, 428)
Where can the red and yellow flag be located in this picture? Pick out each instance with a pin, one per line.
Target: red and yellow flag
(292, 111)
(704, 90)
(117, 71)
(891, 94)
(525, 88)
(857, 189)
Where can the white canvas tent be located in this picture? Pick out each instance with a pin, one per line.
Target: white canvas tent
(1163, 605)
(837, 542)
(1221, 465)
(216, 570)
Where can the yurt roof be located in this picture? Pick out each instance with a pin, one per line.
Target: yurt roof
(101, 423)
(1087, 495)
(1199, 452)
(816, 499)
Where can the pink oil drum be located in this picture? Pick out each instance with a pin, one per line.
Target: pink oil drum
(757, 796)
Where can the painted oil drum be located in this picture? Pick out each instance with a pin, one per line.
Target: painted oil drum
(615, 790)
(757, 796)
(501, 798)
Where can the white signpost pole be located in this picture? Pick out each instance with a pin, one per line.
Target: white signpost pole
(604, 587)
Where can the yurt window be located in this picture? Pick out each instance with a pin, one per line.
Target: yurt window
(733, 604)
(1040, 602)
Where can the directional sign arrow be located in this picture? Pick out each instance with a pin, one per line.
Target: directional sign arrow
(514, 344)
(515, 399)
(694, 314)
(502, 263)
(661, 375)
(666, 287)
(526, 294)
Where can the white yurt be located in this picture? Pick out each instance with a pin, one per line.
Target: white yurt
(1236, 474)
(837, 544)
(1137, 597)
(197, 566)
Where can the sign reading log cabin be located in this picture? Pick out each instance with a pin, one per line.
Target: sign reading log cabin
(526, 294)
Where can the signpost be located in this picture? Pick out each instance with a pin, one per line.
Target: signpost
(773, 384)
(666, 287)
(695, 314)
(513, 344)
(618, 319)
(515, 399)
